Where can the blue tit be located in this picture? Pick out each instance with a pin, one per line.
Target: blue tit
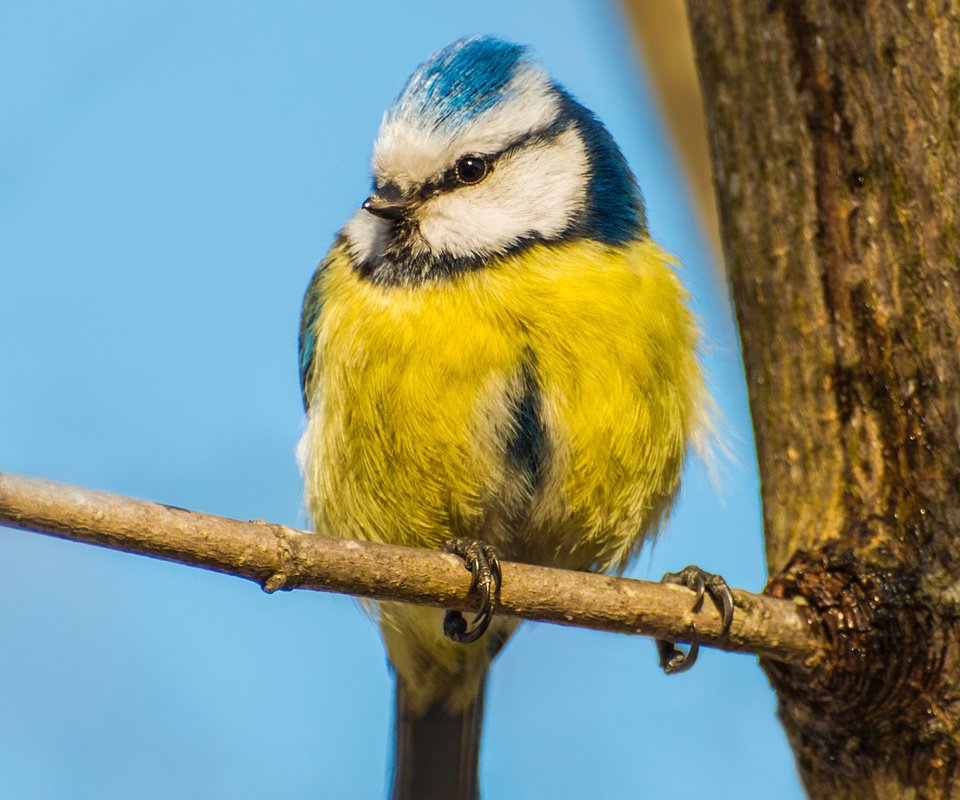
(493, 351)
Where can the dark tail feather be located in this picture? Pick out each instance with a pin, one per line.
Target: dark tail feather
(437, 754)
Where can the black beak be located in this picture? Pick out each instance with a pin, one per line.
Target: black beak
(383, 208)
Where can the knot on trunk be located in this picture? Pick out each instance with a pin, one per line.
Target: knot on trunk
(881, 675)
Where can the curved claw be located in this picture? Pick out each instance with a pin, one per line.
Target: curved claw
(495, 570)
(481, 622)
(726, 602)
(484, 596)
(700, 586)
(485, 574)
(703, 583)
(473, 566)
(455, 628)
(673, 660)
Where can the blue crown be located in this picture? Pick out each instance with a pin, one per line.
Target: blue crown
(459, 82)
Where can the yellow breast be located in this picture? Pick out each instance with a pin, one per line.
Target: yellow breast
(413, 403)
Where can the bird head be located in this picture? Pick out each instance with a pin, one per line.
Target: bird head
(482, 155)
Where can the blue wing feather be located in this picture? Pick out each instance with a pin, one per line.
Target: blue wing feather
(307, 341)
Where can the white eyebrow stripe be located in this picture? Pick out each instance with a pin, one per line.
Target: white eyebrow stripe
(409, 151)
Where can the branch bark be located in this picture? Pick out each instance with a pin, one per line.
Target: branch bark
(278, 557)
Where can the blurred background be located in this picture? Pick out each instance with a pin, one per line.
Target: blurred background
(170, 174)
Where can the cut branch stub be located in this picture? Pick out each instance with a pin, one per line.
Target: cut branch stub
(880, 679)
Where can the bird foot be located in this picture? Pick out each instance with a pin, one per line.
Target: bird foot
(484, 566)
(672, 658)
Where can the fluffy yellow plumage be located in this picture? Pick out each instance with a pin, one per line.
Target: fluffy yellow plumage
(413, 393)
(496, 358)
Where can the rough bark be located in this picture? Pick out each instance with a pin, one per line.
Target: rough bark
(835, 127)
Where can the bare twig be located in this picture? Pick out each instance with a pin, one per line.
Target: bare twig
(278, 557)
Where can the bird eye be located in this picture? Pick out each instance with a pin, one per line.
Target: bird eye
(472, 169)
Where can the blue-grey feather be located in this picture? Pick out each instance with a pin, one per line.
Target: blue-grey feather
(307, 340)
(527, 447)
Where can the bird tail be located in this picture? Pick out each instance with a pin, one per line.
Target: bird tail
(438, 752)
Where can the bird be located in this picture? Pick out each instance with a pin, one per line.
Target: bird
(495, 360)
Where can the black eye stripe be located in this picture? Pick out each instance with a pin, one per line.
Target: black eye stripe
(450, 181)
(388, 191)
(538, 136)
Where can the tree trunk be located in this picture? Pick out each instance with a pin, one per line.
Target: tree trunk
(835, 131)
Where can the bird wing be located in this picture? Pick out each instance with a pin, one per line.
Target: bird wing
(307, 340)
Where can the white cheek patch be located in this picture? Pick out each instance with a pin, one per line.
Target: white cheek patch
(410, 151)
(536, 191)
(366, 235)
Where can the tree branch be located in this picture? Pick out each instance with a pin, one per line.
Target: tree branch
(278, 557)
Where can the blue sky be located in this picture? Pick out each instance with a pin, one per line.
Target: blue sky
(170, 173)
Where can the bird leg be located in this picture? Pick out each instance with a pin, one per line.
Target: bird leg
(482, 562)
(672, 658)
